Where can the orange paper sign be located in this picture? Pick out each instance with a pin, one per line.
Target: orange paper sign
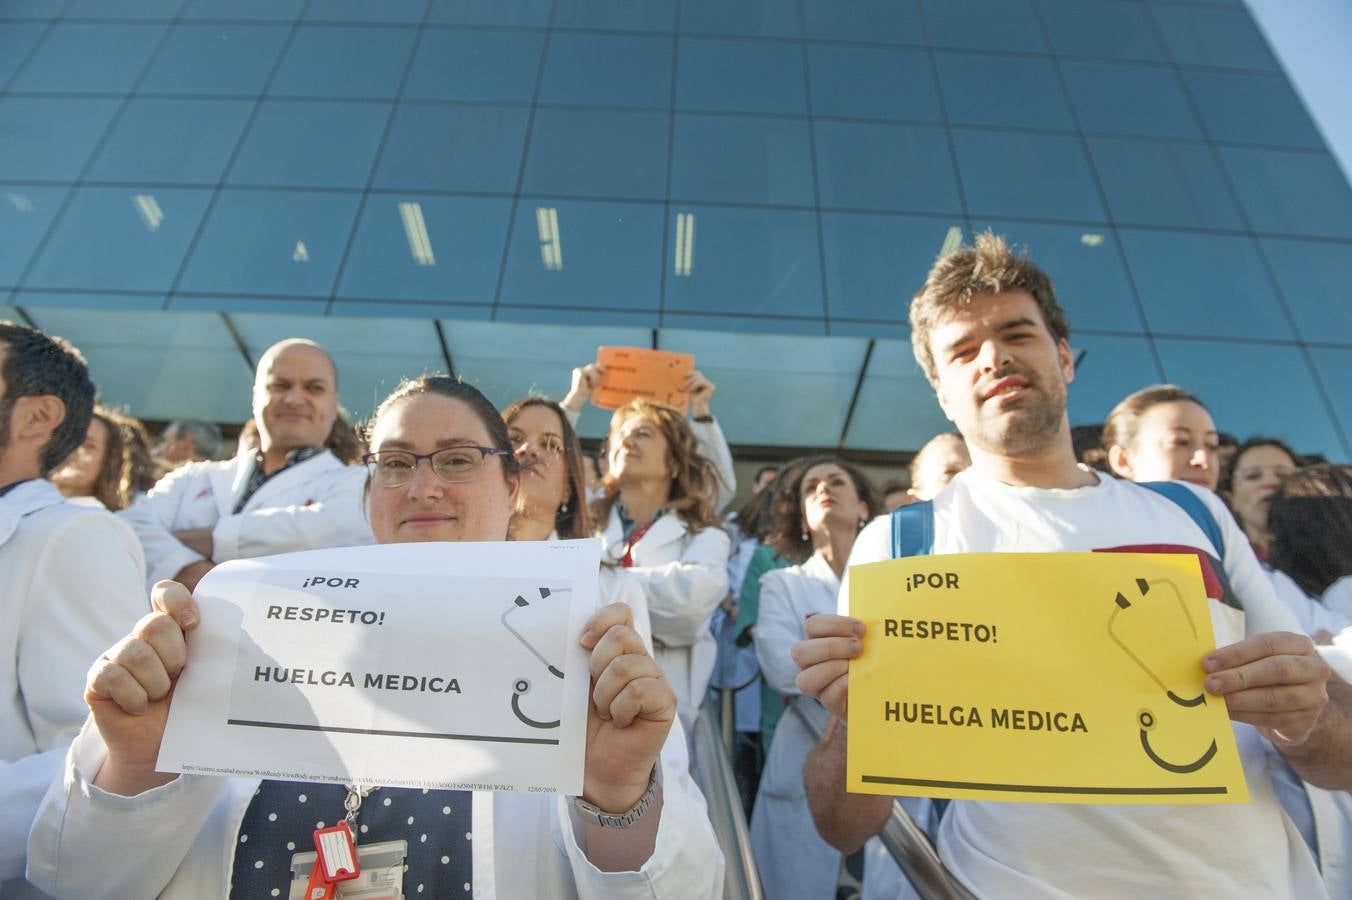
(631, 372)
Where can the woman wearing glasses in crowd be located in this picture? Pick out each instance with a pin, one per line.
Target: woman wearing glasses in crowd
(657, 521)
(1253, 478)
(124, 830)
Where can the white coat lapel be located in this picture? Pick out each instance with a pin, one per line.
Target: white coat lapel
(664, 531)
(24, 500)
(227, 484)
(292, 479)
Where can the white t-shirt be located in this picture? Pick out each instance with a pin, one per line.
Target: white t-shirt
(1074, 850)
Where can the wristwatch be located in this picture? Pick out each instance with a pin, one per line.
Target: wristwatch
(593, 815)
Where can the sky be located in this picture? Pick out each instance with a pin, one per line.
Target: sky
(1311, 38)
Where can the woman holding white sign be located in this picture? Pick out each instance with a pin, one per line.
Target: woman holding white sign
(125, 830)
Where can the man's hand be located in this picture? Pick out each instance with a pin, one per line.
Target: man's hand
(585, 380)
(701, 391)
(198, 540)
(128, 690)
(1275, 682)
(824, 658)
(631, 710)
(189, 575)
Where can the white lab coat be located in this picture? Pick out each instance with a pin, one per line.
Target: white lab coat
(310, 506)
(71, 584)
(684, 577)
(177, 842)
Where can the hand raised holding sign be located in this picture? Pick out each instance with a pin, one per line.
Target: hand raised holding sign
(1275, 682)
(128, 690)
(824, 658)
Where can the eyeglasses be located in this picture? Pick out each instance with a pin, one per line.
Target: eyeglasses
(453, 465)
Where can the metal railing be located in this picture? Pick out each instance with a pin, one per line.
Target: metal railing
(712, 771)
(904, 840)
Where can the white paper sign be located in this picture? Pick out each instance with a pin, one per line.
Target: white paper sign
(437, 665)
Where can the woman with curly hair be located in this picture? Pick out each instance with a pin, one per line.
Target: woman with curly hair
(657, 520)
(113, 464)
(553, 500)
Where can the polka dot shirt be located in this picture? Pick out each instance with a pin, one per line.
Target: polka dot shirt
(283, 815)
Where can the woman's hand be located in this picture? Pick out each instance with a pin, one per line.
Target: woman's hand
(631, 710)
(701, 391)
(128, 690)
(585, 380)
(824, 659)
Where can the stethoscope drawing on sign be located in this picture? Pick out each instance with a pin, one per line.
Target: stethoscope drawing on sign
(521, 686)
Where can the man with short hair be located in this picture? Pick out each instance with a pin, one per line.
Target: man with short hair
(188, 440)
(288, 494)
(938, 463)
(71, 578)
(994, 343)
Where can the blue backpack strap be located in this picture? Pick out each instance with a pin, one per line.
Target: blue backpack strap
(1191, 504)
(913, 530)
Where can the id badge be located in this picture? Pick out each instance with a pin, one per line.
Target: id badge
(381, 878)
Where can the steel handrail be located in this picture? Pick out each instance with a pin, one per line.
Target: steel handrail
(712, 771)
(904, 840)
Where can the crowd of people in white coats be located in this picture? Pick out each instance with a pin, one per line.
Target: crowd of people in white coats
(104, 533)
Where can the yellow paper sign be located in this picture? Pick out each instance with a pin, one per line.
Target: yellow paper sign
(1037, 677)
(629, 373)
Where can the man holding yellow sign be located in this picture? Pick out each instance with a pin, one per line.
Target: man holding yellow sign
(1067, 654)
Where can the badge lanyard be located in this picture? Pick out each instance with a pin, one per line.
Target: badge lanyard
(336, 849)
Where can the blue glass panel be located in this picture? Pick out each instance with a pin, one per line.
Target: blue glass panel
(216, 59)
(617, 15)
(427, 248)
(1236, 381)
(1002, 90)
(192, 369)
(1111, 368)
(558, 315)
(984, 25)
(873, 83)
(103, 300)
(292, 242)
(1158, 183)
(755, 18)
(508, 361)
(1333, 368)
(263, 10)
(1252, 109)
(574, 254)
(1313, 278)
(25, 213)
(182, 141)
(1102, 29)
(896, 408)
(338, 61)
(1204, 284)
(90, 59)
(747, 324)
(492, 66)
(120, 9)
(793, 376)
(747, 261)
(740, 76)
(414, 309)
(1026, 176)
(899, 167)
(401, 11)
(121, 239)
(868, 21)
(32, 9)
(608, 70)
(453, 148)
(1086, 267)
(1116, 98)
(317, 144)
(875, 263)
(232, 303)
(50, 138)
(1213, 37)
(597, 153)
(1291, 193)
(511, 13)
(16, 41)
(732, 160)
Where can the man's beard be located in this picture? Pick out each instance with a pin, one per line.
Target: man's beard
(1027, 429)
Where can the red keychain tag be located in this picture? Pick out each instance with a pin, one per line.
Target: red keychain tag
(336, 860)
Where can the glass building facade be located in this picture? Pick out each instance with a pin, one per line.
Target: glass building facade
(498, 186)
